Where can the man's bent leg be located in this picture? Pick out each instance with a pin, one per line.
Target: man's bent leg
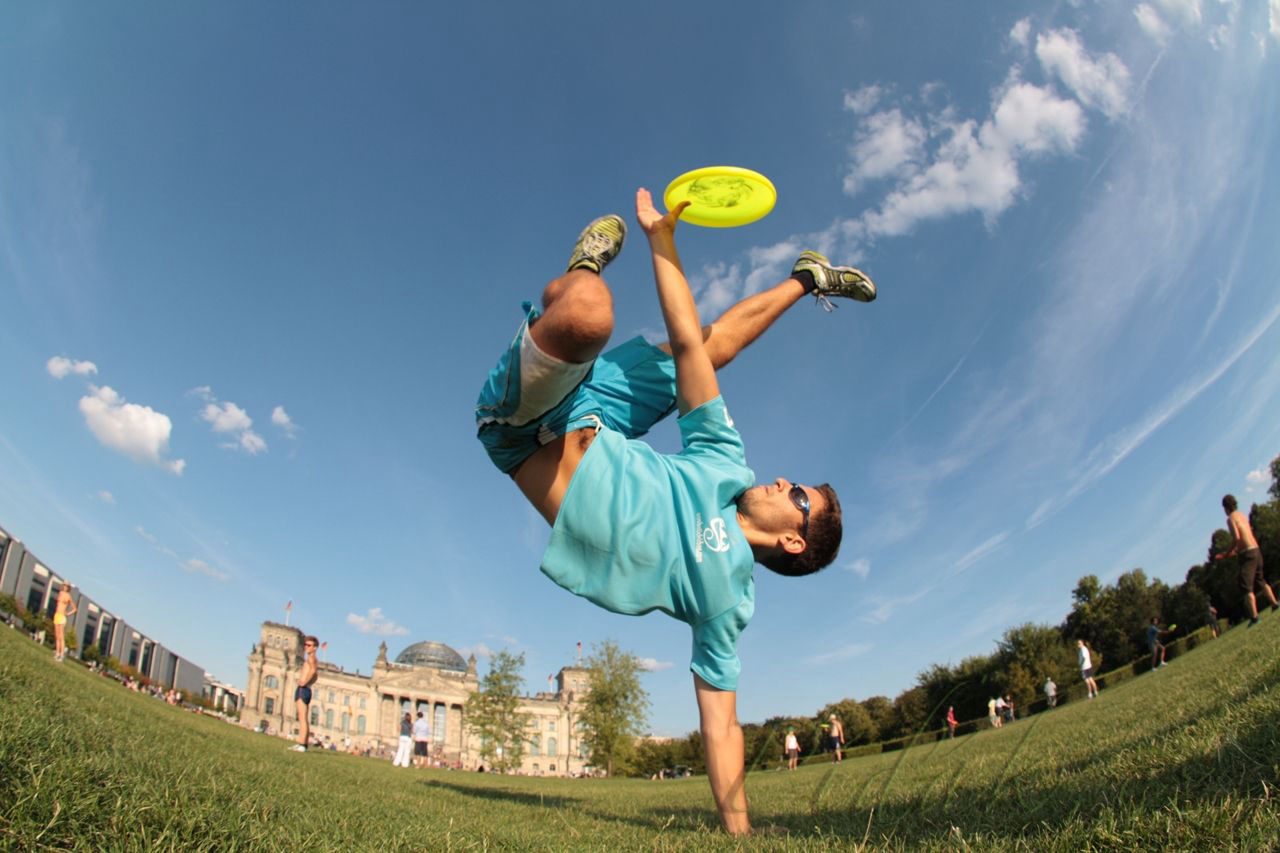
(304, 722)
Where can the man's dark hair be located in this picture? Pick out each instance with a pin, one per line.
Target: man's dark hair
(311, 638)
(826, 529)
(1229, 503)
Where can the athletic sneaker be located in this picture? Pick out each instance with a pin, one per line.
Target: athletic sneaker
(599, 243)
(830, 280)
(298, 747)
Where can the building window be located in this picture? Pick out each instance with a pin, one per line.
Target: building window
(272, 681)
(551, 746)
(330, 695)
(551, 768)
(360, 724)
(535, 747)
(442, 717)
(535, 767)
(315, 716)
(361, 703)
(269, 707)
(346, 700)
(551, 725)
(346, 721)
(328, 719)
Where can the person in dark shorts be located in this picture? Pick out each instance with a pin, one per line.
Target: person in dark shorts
(835, 738)
(302, 693)
(1211, 619)
(1154, 633)
(1245, 546)
(421, 741)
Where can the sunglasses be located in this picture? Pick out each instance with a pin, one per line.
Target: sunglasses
(800, 498)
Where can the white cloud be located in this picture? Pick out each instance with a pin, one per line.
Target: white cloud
(1101, 83)
(976, 166)
(860, 567)
(145, 535)
(106, 497)
(885, 606)
(1152, 24)
(1258, 479)
(991, 544)
(59, 366)
(851, 650)
(1186, 12)
(1020, 32)
(655, 665)
(864, 100)
(886, 145)
(373, 622)
(200, 567)
(281, 418)
(229, 418)
(480, 650)
(139, 432)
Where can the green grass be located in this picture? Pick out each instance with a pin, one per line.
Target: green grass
(1187, 758)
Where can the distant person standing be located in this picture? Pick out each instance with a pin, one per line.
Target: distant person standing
(405, 747)
(992, 717)
(60, 615)
(421, 740)
(835, 738)
(951, 720)
(1050, 692)
(1086, 667)
(302, 693)
(1008, 707)
(1000, 711)
(792, 749)
(1154, 633)
(1211, 619)
(1245, 546)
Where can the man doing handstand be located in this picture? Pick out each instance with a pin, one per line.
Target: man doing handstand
(634, 530)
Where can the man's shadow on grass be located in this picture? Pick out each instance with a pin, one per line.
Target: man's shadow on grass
(510, 795)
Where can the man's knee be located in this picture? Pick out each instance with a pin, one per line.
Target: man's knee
(577, 319)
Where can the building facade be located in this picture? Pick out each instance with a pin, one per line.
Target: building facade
(35, 586)
(427, 677)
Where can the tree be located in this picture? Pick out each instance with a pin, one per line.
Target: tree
(616, 706)
(880, 709)
(493, 712)
(1274, 491)
(859, 728)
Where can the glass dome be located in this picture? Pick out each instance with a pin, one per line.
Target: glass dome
(435, 655)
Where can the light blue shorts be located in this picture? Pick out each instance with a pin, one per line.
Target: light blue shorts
(629, 389)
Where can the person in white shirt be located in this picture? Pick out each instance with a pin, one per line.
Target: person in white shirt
(421, 740)
(1086, 667)
(1051, 692)
(792, 749)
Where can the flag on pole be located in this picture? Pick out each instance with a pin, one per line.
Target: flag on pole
(579, 651)
(288, 605)
(549, 682)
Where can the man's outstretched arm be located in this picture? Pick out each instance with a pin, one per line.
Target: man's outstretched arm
(726, 767)
(695, 376)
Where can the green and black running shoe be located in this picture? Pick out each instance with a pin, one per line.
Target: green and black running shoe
(599, 243)
(829, 280)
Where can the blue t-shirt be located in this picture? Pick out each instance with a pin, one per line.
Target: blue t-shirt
(640, 530)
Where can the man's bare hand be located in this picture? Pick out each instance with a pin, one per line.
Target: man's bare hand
(654, 223)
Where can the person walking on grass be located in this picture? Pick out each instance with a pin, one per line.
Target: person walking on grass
(1245, 546)
(1050, 692)
(634, 530)
(1086, 667)
(951, 721)
(1211, 619)
(792, 748)
(405, 748)
(64, 607)
(992, 717)
(835, 738)
(302, 693)
(1154, 633)
(421, 740)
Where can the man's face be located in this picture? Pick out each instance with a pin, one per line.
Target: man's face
(770, 508)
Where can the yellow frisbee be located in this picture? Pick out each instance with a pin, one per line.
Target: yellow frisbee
(721, 196)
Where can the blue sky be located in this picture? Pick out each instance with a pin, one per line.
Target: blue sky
(255, 261)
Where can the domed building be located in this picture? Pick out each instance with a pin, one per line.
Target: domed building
(430, 677)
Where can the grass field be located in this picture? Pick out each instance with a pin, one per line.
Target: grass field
(1186, 758)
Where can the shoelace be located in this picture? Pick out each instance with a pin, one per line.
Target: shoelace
(824, 301)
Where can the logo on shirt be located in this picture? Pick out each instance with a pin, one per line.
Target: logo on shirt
(713, 536)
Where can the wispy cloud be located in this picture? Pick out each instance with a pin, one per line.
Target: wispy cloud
(845, 652)
(989, 546)
(860, 567)
(1101, 83)
(106, 497)
(480, 650)
(374, 622)
(200, 567)
(192, 565)
(281, 418)
(883, 607)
